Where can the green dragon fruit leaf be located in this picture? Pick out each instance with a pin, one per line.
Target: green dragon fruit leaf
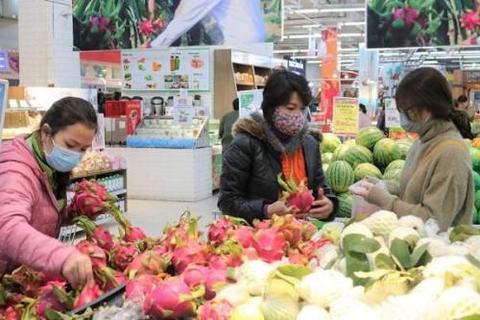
(420, 256)
(360, 244)
(357, 262)
(401, 252)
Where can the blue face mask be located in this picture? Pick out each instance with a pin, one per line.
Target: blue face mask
(62, 159)
(409, 125)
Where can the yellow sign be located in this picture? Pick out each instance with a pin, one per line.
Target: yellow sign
(345, 116)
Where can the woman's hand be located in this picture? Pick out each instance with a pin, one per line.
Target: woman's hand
(363, 190)
(322, 208)
(78, 270)
(278, 208)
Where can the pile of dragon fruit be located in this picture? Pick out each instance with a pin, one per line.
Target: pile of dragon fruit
(173, 276)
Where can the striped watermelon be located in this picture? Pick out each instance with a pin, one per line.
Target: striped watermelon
(368, 137)
(341, 152)
(350, 142)
(327, 157)
(395, 165)
(392, 175)
(330, 142)
(475, 216)
(325, 167)
(404, 145)
(477, 200)
(386, 151)
(340, 176)
(476, 179)
(366, 170)
(344, 205)
(475, 154)
(356, 155)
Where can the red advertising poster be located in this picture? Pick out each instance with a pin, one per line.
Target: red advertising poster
(330, 87)
(330, 90)
(134, 116)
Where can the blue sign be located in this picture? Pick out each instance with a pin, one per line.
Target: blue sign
(4, 61)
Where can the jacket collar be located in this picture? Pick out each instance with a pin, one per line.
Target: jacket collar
(435, 127)
(256, 126)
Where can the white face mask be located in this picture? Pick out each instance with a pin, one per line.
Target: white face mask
(62, 159)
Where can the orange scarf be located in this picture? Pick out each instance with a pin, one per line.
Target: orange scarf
(293, 166)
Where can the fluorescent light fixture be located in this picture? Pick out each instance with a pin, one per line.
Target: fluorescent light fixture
(314, 62)
(340, 9)
(304, 57)
(341, 24)
(290, 51)
(348, 49)
(345, 35)
(306, 11)
(318, 35)
(352, 23)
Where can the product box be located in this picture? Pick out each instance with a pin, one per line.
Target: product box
(120, 132)
(133, 116)
(109, 122)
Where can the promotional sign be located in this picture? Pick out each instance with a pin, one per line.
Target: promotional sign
(329, 73)
(368, 78)
(99, 141)
(250, 101)
(345, 116)
(406, 23)
(392, 116)
(109, 24)
(167, 69)
(3, 103)
(43, 97)
(183, 115)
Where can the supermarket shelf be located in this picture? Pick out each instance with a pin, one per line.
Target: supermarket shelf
(69, 232)
(94, 174)
(118, 192)
(244, 83)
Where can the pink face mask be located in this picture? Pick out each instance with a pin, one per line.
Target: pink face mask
(289, 123)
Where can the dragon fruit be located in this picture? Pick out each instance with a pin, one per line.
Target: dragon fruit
(12, 313)
(195, 275)
(470, 20)
(97, 255)
(225, 261)
(109, 279)
(98, 234)
(215, 310)
(291, 228)
(141, 286)
(297, 196)
(190, 252)
(148, 262)
(122, 255)
(28, 280)
(270, 244)
(134, 234)
(91, 199)
(87, 295)
(51, 297)
(218, 230)
(243, 235)
(216, 280)
(171, 299)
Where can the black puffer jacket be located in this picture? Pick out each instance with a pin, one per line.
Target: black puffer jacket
(251, 165)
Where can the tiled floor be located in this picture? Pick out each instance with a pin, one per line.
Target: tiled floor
(153, 216)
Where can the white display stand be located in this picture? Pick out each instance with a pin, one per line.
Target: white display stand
(167, 174)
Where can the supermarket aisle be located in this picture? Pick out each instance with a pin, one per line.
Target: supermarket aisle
(153, 216)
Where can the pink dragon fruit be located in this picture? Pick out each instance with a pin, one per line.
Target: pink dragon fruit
(90, 199)
(97, 255)
(185, 230)
(195, 275)
(407, 15)
(145, 27)
(225, 261)
(87, 295)
(141, 286)
(244, 236)
(171, 299)
(28, 280)
(291, 228)
(122, 255)
(12, 313)
(191, 252)
(98, 234)
(295, 257)
(308, 230)
(216, 279)
(215, 310)
(270, 244)
(134, 234)
(218, 230)
(308, 248)
(109, 279)
(470, 20)
(148, 262)
(51, 297)
(298, 197)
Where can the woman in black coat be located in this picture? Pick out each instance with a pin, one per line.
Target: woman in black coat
(265, 146)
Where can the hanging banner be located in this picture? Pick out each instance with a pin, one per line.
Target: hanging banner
(108, 24)
(392, 116)
(329, 85)
(345, 116)
(249, 101)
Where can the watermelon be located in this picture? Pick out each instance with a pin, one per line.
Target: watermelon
(392, 175)
(477, 200)
(356, 155)
(325, 167)
(350, 142)
(475, 154)
(327, 157)
(368, 137)
(344, 205)
(404, 145)
(386, 151)
(475, 128)
(340, 176)
(366, 170)
(395, 165)
(341, 152)
(475, 217)
(476, 179)
(330, 142)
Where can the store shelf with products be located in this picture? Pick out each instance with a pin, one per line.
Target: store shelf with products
(237, 71)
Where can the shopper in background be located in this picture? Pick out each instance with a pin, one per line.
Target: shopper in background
(226, 126)
(265, 146)
(464, 105)
(34, 175)
(460, 118)
(381, 125)
(437, 179)
(363, 119)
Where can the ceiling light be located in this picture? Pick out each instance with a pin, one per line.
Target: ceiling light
(344, 35)
(340, 9)
(306, 11)
(314, 62)
(349, 49)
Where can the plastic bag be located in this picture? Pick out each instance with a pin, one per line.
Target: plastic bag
(359, 205)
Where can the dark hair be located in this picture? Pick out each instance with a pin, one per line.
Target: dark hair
(426, 89)
(462, 99)
(69, 111)
(279, 88)
(362, 108)
(235, 104)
